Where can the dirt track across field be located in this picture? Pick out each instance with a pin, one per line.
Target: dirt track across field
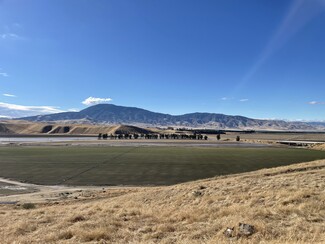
(20, 192)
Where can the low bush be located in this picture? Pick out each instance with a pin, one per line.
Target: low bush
(28, 206)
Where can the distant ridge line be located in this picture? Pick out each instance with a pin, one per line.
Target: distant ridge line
(113, 114)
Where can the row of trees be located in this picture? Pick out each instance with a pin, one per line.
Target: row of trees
(105, 136)
(219, 137)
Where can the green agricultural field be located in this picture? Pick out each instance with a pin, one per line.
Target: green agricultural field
(139, 165)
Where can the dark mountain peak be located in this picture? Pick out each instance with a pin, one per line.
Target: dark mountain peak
(114, 114)
(104, 107)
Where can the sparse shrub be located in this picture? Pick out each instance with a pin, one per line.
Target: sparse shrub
(77, 219)
(28, 206)
(238, 138)
(218, 137)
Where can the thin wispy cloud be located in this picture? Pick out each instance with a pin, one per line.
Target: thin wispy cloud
(36, 109)
(316, 103)
(5, 117)
(9, 95)
(10, 32)
(95, 100)
(243, 100)
(10, 36)
(4, 74)
(232, 98)
(226, 98)
(73, 110)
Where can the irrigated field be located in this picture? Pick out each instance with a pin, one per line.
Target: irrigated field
(139, 165)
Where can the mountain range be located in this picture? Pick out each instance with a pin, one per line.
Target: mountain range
(113, 114)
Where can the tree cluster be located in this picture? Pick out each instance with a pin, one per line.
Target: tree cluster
(105, 136)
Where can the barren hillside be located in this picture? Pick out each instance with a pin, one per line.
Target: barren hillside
(285, 205)
(31, 128)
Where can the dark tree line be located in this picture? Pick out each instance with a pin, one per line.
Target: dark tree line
(105, 136)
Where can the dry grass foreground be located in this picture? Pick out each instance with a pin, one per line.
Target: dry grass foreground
(285, 204)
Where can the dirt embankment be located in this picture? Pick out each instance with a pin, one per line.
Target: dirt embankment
(30, 128)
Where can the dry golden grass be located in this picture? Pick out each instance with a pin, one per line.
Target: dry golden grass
(318, 147)
(285, 204)
(34, 128)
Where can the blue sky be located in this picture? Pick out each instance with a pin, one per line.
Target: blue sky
(256, 58)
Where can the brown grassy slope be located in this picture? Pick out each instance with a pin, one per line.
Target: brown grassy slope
(23, 127)
(31, 128)
(13, 127)
(128, 129)
(89, 129)
(318, 147)
(4, 129)
(285, 204)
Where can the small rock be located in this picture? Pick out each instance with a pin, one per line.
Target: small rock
(197, 193)
(229, 232)
(246, 229)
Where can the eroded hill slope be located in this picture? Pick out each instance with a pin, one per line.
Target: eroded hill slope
(31, 128)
